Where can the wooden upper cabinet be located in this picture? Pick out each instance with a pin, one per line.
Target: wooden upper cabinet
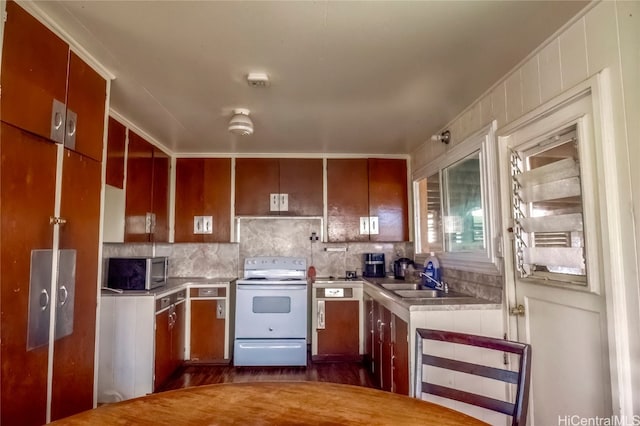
(388, 199)
(116, 145)
(259, 180)
(160, 196)
(39, 70)
(203, 188)
(86, 96)
(34, 72)
(359, 189)
(347, 198)
(146, 204)
(256, 180)
(301, 180)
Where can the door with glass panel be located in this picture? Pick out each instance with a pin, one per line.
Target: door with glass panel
(553, 263)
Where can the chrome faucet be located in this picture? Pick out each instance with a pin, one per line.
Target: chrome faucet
(438, 285)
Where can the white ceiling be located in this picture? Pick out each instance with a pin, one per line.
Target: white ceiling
(346, 77)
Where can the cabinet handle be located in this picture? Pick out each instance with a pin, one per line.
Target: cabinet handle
(321, 315)
(44, 300)
(63, 295)
(71, 127)
(58, 118)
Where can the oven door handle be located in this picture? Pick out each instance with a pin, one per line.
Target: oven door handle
(271, 287)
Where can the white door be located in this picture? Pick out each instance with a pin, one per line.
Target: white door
(552, 263)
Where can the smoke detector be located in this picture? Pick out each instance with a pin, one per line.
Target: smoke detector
(240, 123)
(258, 79)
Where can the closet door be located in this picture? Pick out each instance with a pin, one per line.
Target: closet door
(27, 192)
(73, 363)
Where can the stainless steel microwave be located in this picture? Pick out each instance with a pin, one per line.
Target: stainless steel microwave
(137, 273)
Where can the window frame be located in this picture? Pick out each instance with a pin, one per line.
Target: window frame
(487, 261)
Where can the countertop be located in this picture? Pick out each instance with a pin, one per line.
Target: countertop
(175, 284)
(374, 285)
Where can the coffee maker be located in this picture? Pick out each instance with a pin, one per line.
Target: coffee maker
(373, 265)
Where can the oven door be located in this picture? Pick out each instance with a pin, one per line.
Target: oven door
(269, 311)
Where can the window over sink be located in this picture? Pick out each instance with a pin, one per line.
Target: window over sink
(456, 196)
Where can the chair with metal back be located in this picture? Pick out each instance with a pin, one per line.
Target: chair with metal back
(520, 378)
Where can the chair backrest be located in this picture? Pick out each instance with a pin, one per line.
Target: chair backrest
(517, 410)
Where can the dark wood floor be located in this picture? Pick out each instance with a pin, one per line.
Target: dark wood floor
(352, 373)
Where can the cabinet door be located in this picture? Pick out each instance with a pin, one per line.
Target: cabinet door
(217, 198)
(73, 363)
(34, 72)
(164, 363)
(86, 96)
(139, 184)
(203, 188)
(301, 179)
(177, 337)
(27, 191)
(207, 331)
(369, 330)
(400, 358)
(160, 196)
(189, 198)
(376, 361)
(386, 353)
(256, 179)
(116, 145)
(347, 199)
(388, 198)
(341, 334)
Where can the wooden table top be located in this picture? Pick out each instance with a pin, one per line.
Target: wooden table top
(267, 403)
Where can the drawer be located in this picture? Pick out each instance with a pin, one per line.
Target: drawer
(163, 302)
(208, 292)
(334, 293)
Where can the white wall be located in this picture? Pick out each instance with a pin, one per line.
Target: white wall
(607, 35)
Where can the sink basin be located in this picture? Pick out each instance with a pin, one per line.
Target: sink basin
(427, 294)
(402, 286)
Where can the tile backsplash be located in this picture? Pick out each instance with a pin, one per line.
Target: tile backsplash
(263, 237)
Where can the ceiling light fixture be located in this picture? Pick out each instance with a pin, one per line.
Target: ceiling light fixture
(240, 123)
(443, 137)
(258, 79)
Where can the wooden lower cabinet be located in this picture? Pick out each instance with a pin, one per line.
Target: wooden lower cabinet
(169, 343)
(207, 331)
(400, 356)
(389, 348)
(340, 337)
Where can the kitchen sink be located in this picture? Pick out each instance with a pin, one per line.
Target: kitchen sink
(403, 286)
(427, 294)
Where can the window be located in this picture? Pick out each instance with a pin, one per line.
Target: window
(456, 204)
(547, 203)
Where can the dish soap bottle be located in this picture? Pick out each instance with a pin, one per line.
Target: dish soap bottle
(432, 269)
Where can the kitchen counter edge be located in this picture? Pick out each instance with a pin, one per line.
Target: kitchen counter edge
(175, 284)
